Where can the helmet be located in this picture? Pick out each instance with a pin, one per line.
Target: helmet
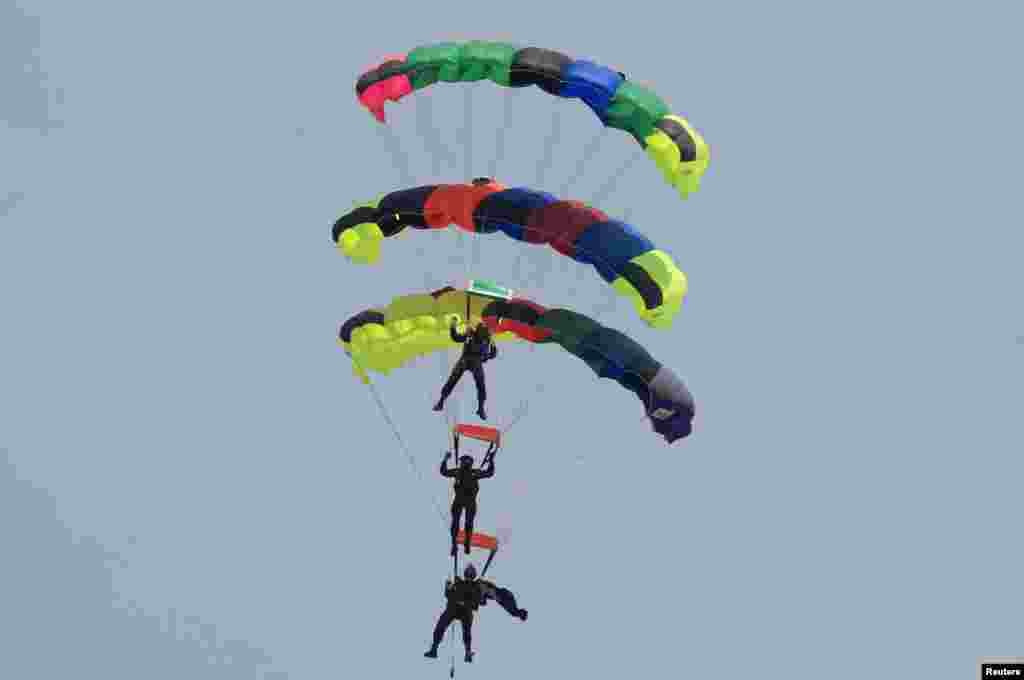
(466, 460)
(470, 572)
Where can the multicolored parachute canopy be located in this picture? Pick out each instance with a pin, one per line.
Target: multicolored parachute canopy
(671, 142)
(622, 256)
(386, 338)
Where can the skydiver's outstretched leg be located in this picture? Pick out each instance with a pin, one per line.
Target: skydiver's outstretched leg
(481, 388)
(466, 618)
(447, 616)
(456, 517)
(507, 600)
(453, 379)
(470, 516)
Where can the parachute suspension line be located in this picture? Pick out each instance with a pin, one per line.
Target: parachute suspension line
(608, 187)
(462, 137)
(524, 408)
(499, 142)
(455, 575)
(467, 131)
(589, 151)
(430, 136)
(554, 137)
(401, 161)
(451, 646)
(405, 449)
(543, 166)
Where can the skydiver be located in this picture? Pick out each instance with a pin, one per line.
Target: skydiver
(477, 349)
(465, 596)
(467, 484)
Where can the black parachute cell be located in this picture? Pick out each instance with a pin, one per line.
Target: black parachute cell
(682, 139)
(388, 69)
(408, 205)
(361, 319)
(357, 216)
(646, 286)
(540, 67)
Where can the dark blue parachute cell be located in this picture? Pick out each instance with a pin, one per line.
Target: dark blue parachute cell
(510, 210)
(592, 83)
(616, 241)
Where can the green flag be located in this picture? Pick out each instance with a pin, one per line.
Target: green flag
(488, 289)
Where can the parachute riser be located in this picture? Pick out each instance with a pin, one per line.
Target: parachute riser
(487, 564)
(489, 456)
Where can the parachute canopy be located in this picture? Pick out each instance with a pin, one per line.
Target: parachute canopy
(386, 338)
(669, 140)
(622, 256)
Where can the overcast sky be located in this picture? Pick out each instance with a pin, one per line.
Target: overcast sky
(193, 485)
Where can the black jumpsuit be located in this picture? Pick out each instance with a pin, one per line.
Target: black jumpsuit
(475, 352)
(467, 484)
(464, 598)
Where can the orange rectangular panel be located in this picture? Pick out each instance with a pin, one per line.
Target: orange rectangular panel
(481, 432)
(478, 540)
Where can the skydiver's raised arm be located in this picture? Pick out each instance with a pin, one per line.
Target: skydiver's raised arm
(456, 336)
(445, 470)
(487, 470)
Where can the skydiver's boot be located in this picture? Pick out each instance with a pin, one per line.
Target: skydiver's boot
(431, 653)
(469, 657)
(480, 412)
(439, 405)
(522, 614)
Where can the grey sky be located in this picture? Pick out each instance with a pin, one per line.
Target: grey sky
(171, 393)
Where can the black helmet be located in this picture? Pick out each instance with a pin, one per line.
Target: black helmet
(466, 460)
(470, 572)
